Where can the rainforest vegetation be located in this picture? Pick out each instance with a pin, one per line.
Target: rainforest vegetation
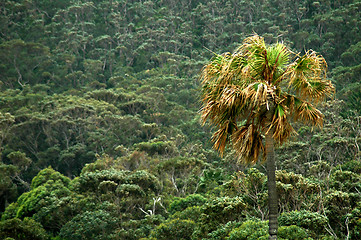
(101, 135)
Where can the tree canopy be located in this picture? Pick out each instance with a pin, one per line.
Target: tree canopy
(99, 120)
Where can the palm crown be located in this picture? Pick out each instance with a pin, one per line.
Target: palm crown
(259, 89)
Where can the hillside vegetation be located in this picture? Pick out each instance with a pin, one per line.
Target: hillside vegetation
(100, 134)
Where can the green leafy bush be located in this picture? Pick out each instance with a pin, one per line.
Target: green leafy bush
(223, 231)
(219, 211)
(46, 175)
(250, 230)
(176, 229)
(90, 225)
(180, 204)
(306, 219)
(257, 230)
(22, 229)
(191, 213)
(293, 233)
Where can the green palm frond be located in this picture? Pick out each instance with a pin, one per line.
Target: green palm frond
(278, 55)
(253, 52)
(307, 76)
(278, 60)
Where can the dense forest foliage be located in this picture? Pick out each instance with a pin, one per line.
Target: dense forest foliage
(100, 136)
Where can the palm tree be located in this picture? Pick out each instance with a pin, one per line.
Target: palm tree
(252, 95)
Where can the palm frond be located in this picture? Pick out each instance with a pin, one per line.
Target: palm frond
(232, 95)
(282, 129)
(220, 137)
(306, 112)
(253, 50)
(247, 141)
(254, 44)
(301, 109)
(278, 57)
(210, 110)
(222, 104)
(212, 72)
(308, 77)
(256, 93)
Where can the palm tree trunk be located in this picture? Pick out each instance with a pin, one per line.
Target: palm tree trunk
(272, 190)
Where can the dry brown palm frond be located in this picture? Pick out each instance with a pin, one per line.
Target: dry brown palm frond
(219, 114)
(213, 72)
(232, 95)
(220, 137)
(289, 102)
(249, 43)
(306, 112)
(261, 93)
(302, 110)
(256, 93)
(282, 129)
(209, 111)
(248, 143)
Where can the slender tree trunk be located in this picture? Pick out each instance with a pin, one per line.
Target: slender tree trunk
(271, 184)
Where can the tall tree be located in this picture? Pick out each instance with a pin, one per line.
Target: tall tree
(252, 95)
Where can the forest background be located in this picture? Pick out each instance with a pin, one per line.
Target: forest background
(99, 126)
